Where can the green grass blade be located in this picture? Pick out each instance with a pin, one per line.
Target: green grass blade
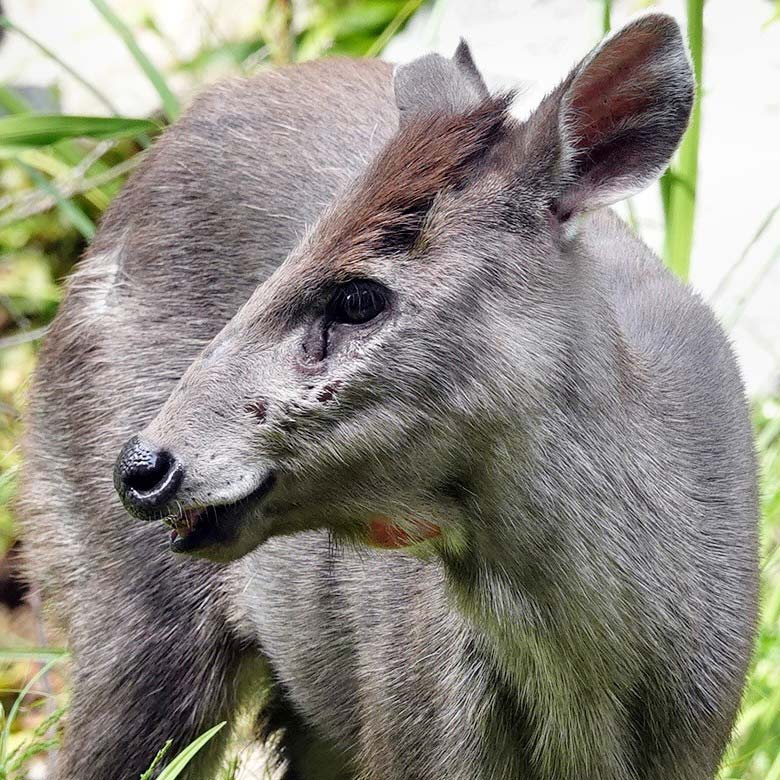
(774, 770)
(403, 15)
(147, 775)
(25, 130)
(91, 88)
(68, 208)
(52, 165)
(755, 285)
(665, 184)
(606, 16)
(11, 102)
(774, 18)
(32, 654)
(680, 197)
(11, 717)
(169, 100)
(178, 764)
(762, 228)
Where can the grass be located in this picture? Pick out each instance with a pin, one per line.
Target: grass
(169, 101)
(31, 130)
(179, 763)
(16, 761)
(755, 750)
(678, 186)
(59, 173)
(6, 23)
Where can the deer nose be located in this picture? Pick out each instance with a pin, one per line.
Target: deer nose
(146, 478)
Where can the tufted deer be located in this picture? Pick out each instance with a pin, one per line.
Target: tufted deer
(464, 489)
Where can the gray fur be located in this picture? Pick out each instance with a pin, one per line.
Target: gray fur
(567, 413)
(435, 84)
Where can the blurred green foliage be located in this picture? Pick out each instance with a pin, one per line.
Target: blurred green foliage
(755, 749)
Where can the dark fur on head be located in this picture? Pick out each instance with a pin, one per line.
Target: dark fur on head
(429, 154)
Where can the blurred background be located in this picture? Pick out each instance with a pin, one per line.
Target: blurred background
(86, 85)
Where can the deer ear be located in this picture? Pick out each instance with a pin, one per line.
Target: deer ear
(619, 116)
(434, 85)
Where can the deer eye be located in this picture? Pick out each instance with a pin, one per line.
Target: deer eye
(357, 301)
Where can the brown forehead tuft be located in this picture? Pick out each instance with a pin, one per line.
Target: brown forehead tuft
(387, 209)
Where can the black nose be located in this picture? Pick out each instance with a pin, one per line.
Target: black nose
(146, 478)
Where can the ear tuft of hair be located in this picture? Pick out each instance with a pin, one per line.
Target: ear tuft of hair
(429, 154)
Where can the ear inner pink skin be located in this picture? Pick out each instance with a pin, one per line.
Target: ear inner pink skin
(386, 534)
(600, 100)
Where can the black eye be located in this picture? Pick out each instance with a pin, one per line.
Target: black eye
(357, 302)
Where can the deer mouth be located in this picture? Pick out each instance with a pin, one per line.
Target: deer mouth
(196, 528)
